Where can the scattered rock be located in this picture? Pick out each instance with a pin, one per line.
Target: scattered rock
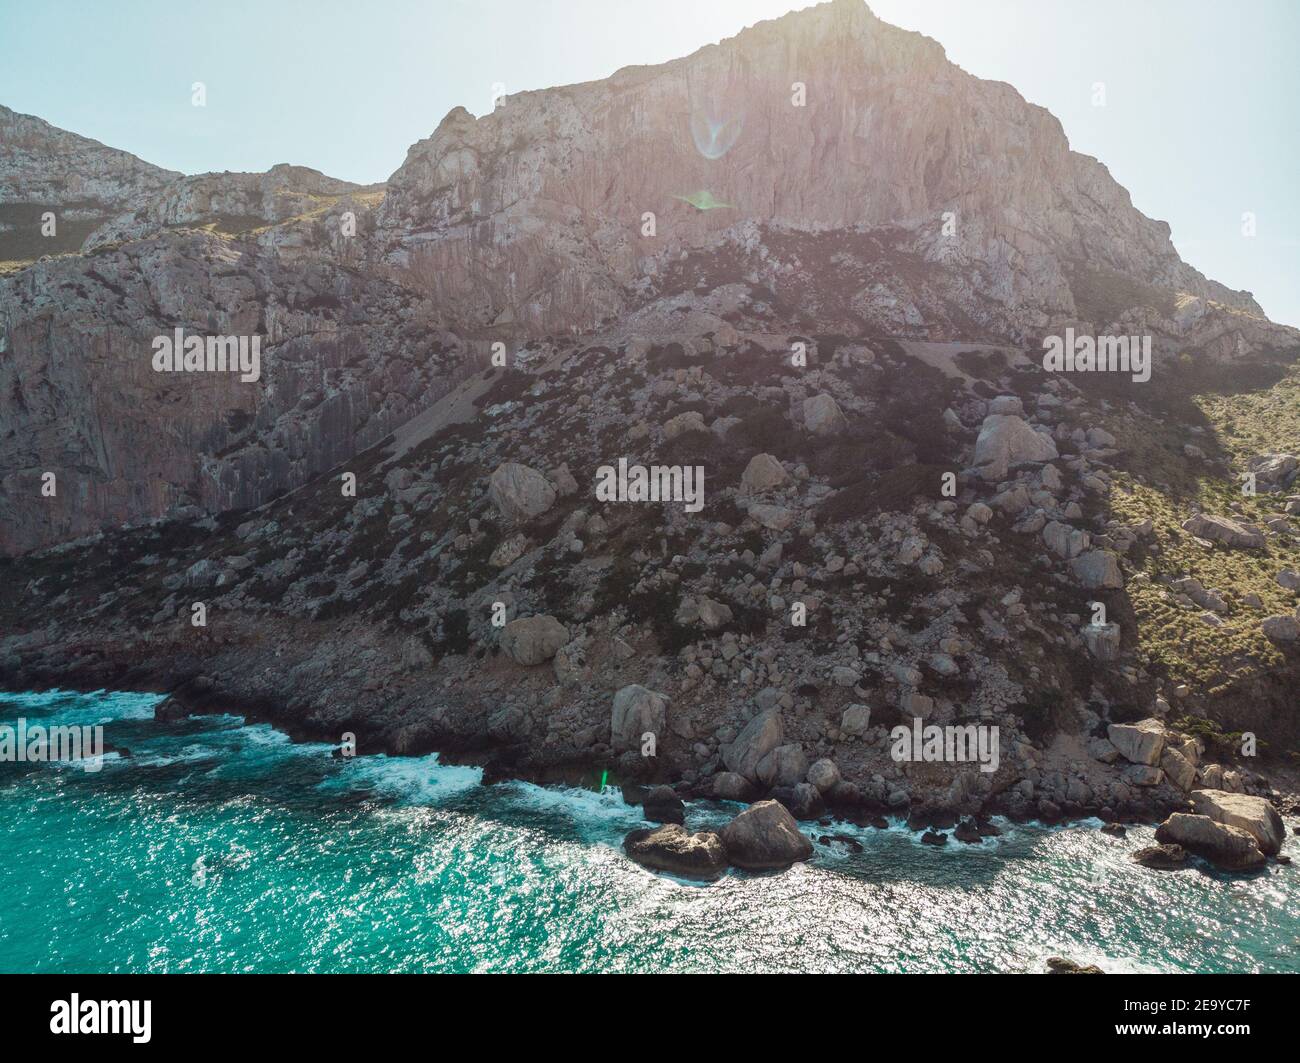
(1060, 965)
(1138, 743)
(762, 473)
(1007, 441)
(532, 640)
(1224, 530)
(1165, 857)
(822, 416)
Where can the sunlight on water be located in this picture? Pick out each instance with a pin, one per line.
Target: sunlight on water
(220, 847)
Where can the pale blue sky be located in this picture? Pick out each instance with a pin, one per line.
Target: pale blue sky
(1202, 121)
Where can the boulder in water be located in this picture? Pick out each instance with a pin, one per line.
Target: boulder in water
(671, 848)
(764, 837)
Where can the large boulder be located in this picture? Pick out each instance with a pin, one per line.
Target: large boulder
(533, 639)
(1254, 815)
(1177, 768)
(784, 766)
(1138, 743)
(824, 774)
(1224, 530)
(636, 711)
(671, 848)
(662, 805)
(765, 836)
(1230, 848)
(520, 493)
(762, 473)
(1007, 441)
(822, 416)
(728, 786)
(758, 738)
(1098, 570)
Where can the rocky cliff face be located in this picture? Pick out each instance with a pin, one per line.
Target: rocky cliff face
(823, 172)
(230, 201)
(965, 539)
(345, 359)
(42, 164)
(825, 120)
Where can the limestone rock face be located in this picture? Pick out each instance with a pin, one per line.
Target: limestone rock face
(130, 444)
(636, 711)
(283, 192)
(531, 640)
(764, 837)
(1230, 848)
(1007, 441)
(1252, 814)
(889, 135)
(520, 493)
(527, 222)
(42, 164)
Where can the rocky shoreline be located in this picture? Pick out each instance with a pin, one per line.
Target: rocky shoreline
(1232, 831)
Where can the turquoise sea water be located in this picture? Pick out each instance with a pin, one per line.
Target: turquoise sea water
(222, 847)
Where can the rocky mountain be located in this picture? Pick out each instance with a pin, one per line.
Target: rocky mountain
(41, 164)
(823, 126)
(835, 315)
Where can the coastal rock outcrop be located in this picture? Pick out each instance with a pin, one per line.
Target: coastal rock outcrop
(1228, 847)
(1255, 815)
(765, 837)
(673, 849)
